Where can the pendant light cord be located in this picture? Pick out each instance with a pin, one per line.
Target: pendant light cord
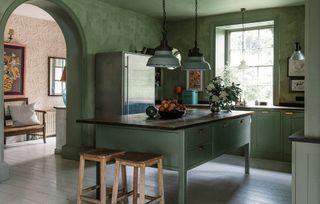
(164, 31)
(243, 10)
(196, 25)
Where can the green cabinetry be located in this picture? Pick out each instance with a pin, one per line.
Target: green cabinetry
(270, 129)
(291, 122)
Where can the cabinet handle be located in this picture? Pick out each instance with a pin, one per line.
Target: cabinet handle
(201, 147)
(200, 131)
(265, 112)
(289, 113)
(241, 121)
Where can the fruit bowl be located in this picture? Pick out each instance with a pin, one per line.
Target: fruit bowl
(174, 114)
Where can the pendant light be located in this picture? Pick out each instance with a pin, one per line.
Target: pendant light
(297, 54)
(243, 64)
(195, 59)
(163, 57)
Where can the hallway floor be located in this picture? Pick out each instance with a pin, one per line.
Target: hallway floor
(39, 176)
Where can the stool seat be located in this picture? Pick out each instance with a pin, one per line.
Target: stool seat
(100, 153)
(136, 158)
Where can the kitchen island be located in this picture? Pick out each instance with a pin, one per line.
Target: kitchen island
(185, 143)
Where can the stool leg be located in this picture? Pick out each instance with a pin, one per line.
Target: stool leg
(142, 185)
(115, 183)
(103, 196)
(124, 182)
(135, 184)
(160, 181)
(80, 180)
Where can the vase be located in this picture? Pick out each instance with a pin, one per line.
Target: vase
(215, 108)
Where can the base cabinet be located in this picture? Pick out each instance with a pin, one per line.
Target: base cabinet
(270, 130)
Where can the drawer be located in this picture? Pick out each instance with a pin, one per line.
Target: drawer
(198, 154)
(198, 135)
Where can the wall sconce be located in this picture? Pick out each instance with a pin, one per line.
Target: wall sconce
(11, 33)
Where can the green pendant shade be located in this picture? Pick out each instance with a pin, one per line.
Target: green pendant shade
(297, 54)
(195, 59)
(163, 56)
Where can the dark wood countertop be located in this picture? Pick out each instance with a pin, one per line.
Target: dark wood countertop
(300, 137)
(192, 118)
(249, 107)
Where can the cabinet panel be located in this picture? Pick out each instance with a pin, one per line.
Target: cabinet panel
(291, 122)
(198, 135)
(266, 139)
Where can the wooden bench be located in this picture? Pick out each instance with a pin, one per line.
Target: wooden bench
(9, 130)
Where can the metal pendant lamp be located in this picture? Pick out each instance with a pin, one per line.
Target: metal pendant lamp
(243, 64)
(297, 54)
(163, 56)
(196, 59)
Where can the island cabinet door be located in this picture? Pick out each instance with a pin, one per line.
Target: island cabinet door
(198, 145)
(291, 122)
(230, 134)
(266, 141)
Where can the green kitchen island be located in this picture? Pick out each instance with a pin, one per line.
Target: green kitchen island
(185, 143)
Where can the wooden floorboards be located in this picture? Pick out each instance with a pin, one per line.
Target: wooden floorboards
(39, 176)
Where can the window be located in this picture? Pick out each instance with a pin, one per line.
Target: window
(256, 81)
(56, 66)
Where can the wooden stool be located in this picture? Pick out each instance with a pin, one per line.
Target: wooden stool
(103, 156)
(138, 160)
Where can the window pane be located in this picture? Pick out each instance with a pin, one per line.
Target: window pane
(235, 57)
(265, 76)
(251, 57)
(58, 87)
(266, 37)
(251, 39)
(266, 56)
(236, 40)
(58, 73)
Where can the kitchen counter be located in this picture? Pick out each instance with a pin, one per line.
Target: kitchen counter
(203, 106)
(192, 118)
(185, 143)
(300, 137)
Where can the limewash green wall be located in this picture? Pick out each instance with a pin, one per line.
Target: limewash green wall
(103, 28)
(181, 36)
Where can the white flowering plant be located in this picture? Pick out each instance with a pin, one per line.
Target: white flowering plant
(222, 95)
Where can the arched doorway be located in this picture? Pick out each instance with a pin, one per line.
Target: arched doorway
(76, 55)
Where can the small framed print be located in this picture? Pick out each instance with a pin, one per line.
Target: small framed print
(194, 80)
(296, 68)
(296, 85)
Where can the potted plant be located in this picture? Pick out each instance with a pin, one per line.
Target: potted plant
(222, 96)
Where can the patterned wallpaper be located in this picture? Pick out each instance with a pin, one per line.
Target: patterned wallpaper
(42, 38)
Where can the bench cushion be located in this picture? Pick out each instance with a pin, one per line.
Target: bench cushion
(23, 115)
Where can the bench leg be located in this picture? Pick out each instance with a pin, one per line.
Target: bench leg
(44, 136)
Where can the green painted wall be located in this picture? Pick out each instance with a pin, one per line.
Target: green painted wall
(181, 36)
(103, 28)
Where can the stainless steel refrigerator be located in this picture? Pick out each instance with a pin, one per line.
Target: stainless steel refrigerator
(123, 84)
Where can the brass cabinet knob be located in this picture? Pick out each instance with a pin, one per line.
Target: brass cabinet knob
(201, 131)
(289, 113)
(201, 147)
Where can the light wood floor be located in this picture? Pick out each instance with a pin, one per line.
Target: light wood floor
(39, 176)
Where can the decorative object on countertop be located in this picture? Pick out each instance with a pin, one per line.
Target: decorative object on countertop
(178, 91)
(196, 59)
(222, 96)
(152, 112)
(171, 109)
(190, 97)
(163, 57)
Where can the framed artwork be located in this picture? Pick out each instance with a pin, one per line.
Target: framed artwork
(55, 70)
(296, 85)
(296, 68)
(14, 69)
(194, 80)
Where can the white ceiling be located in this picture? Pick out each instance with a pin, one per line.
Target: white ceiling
(32, 11)
(181, 9)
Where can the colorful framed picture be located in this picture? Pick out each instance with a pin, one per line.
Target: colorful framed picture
(296, 68)
(14, 69)
(194, 80)
(296, 85)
